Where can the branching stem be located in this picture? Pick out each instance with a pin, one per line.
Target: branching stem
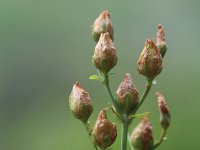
(105, 80)
(124, 118)
(144, 95)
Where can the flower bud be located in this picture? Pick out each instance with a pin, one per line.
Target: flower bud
(164, 111)
(102, 25)
(104, 132)
(80, 103)
(141, 136)
(160, 40)
(105, 55)
(150, 61)
(127, 95)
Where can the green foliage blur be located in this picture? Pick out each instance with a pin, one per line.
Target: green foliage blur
(46, 46)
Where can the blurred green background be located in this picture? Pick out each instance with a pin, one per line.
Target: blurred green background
(46, 46)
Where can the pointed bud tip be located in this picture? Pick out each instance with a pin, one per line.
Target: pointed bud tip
(160, 26)
(158, 94)
(150, 44)
(149, 41)
(102, 115)
(105, 37)
(78, 85)
(105, 13)
(127, 76)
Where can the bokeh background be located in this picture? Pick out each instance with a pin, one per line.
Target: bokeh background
(46, 46)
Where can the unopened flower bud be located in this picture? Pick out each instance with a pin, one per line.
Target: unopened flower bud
(105, 55)
(150, 61)
(127, 95)
(141, 136)
(102, 25)
(104, 132)
(160, 40)
(80, 103)
(164, 111)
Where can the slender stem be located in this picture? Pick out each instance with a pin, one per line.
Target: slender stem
(163, 133)
(124, 133)
(89, 134)
(107, 86)
(130, 143)
(144, 95)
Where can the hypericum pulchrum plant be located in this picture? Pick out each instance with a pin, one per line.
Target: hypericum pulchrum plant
(126, 101)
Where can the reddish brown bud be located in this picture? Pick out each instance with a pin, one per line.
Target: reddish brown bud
(105, 55)
(104, 132)
(150, 61)
(164, 111)
(80, 103)
(141, 136)
(160, 40)
(127, 95)
(102, 25)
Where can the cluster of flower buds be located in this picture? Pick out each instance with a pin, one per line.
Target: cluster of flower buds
(160, 40)
(150, 64)
(102, 25)
(127, 95)
(150, 60)
(141, 136)
(80, 103)
(104, 132)
(164, 111)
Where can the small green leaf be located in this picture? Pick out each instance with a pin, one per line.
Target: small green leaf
(94, 77)
(140, 115)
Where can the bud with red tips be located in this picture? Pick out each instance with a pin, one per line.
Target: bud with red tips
(160, 40)
(102, 25)
(104, 132)
(80, 103)
(105, 55)
(150, 61)
(141, 136)
(164, 111)
(127, 95)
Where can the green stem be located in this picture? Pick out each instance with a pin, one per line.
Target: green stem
(163, 133)
(144, 95)
(89, 134)
(124, 132)
(107, 86)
